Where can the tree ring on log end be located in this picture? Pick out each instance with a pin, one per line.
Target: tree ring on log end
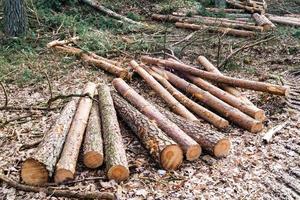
(193, 152)
(260, 116)
(171, 157)
(118, 173)
(92, 159)
(34, 173)
(222, 148)
(257, 127)
(63, 175)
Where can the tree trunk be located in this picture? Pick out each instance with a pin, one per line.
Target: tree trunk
(115, 155)
(176, 106)
(162, 149)
(212, 141)
(253, 112)
(191, 149)
(66, 166)
(37, 169)
(227, 31)
(262, 20)
(284, 20)
(221, 107)
(15, 18)
(202, 112)
(93, 143)
(252, 85)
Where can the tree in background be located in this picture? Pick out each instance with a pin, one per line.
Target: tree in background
(15, 18)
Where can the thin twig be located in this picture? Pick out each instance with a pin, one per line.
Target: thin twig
(50, 101)
(14, 119)
(78, 181)
(50, 88)
(30, 145)
(57, 192)
(29, 108)
(5, 95)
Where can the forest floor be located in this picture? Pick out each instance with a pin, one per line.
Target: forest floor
(253, 170)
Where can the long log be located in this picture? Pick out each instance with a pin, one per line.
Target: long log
(247, 84)
(239, 101)
(284, 20)
(212, 141)
(245, 7)
(162, 149)
(93, 143)
(206, 21)
(227, 31)
(221, 107)
(191, 149)
(202, 112)
(115, 155)
(176, 106)
(66, 166)
(226, 10)
(262, 20)
(38, 168)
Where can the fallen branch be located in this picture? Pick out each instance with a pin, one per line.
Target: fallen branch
(95, 4)
(14, 119)
(6, 97)
(50, 101)
(62, 42)
(268, 136)
(57, 192)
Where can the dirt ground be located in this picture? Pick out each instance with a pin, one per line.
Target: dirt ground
(253, 170)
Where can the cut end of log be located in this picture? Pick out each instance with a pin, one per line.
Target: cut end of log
(257, 127)
(171, 157)
(92, 159)
(222, 124)
(260, 116)
(118, 173)
(193, 152)
(34, 173)
(222, 148)
(63, 175)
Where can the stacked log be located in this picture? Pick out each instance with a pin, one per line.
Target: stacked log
(263, 21)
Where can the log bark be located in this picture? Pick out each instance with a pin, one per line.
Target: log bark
(191, 149)
(207, 21)
(66, 166)
(51, 191)
(176, 106)
(115, 155)
(212, 141)
(233, 97)
(227, 31)
(245, 7)
(262, 20)
(252, 85)
(95, 4)
(38, 168)
(202, 112)
(284, 20)
(162, 149)
(94, 60)
(221, 107)
(93, 143)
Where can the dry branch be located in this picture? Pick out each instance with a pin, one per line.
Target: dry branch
(93, 143)
(247, 84)
(162, 149)
(191, 149)
(176, 106)
(212, 141)
(57, 192)
(66, 166)
(62, 42)
(37, 169)
(268, 135)
(115, 155)
(202, 112)
(221, 107)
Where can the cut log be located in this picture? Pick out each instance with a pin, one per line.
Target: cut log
(61, 42)
(235, 101)
(245, 7)
(66, 166)
(94, 60)
(226, 10)
(284, 20)
(227, 31)
(191, 149)
(93, 143)
(95, 4)
(207, 21)
(211, 68)
(202, 112)
(176, 106)
(162, 149)
(37, 169)
(221, 107)
(252, 85)
(115, 155)
(212, 141)
(262, 20)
